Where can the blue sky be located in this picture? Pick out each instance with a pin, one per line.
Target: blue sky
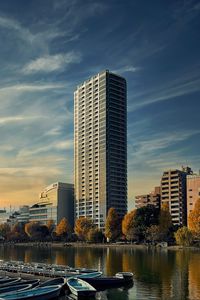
(48, 47)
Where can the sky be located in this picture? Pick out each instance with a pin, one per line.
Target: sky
(48, 47)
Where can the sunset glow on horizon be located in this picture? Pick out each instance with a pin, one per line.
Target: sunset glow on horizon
(49, 49)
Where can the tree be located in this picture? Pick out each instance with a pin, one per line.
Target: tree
(194, 219)
(82, 227)
(113, 225)
(63, 229)
(145, 217)
(17, 232)
(95, 235)
(129, 225)
(5, 230)
(50, 225)
(165, 220)
(184, 236)
(152, 233)
(36, 231)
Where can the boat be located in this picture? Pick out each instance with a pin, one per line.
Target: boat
(54, 281)
(2, 279)
(80, 288)
(82, 270)
(128, 276)
(109, 281)
(44, 293)
(13, 288)
(83, 275)
(9, 281)
(33, 282)
(45, 269)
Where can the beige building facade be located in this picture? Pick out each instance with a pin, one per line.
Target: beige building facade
(152, 198)
(55, 202)
(193, 191)
(174, 193)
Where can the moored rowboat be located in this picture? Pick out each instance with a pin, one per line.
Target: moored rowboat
(44, 293)
(14, 288)
(80, 288)
(9, 281)
(128, 276)
(54, 281)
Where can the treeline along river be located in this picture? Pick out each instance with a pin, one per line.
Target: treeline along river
(158, 273)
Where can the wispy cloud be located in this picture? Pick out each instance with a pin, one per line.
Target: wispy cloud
(144, 148)
(18, 119)
(31, 87)
(50, 63)
(38, 38)
(126, 69)
(175, 88)
(54, 131)
(12, 24)
(54, 146)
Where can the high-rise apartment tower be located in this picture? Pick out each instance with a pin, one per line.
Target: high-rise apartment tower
(100, 140)
(173, 192)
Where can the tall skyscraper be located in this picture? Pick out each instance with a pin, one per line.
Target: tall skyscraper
(173, 192)
(100, 143)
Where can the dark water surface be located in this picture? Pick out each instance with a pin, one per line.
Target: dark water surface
(158, 274)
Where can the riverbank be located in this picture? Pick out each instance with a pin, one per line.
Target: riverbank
(98, 245)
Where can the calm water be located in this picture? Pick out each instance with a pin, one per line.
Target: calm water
(158, 274)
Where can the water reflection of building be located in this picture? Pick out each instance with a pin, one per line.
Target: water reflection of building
(194, 276)
(179, 280)
(114, 261)
(63, 256)
(55, 203)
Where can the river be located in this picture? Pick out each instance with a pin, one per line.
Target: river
(158, 273)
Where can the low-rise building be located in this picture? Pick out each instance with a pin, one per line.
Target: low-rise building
(193, 191)
(55, 202)
(23, 216)
(4, 216)
(151, 198)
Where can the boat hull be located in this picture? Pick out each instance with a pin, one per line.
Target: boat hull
(43, 293)
(15, 288)
(80, 288)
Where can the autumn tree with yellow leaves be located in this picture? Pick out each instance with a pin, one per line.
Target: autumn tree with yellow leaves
(183, 236)
(4, 230)
(82, 227)
(129, 225)
(165, 220)
(36, 231)
(63, 229)
(113, 225)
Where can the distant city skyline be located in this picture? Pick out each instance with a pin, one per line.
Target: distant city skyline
(48, 49)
